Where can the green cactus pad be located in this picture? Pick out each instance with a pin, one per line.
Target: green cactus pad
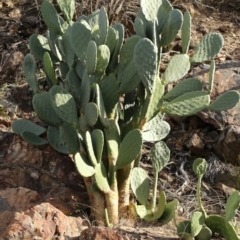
(185, 86)
(126, 55)
(129, 148)
(74, 85)
(187, 104)
(140, 184)
(64, 104)
(169, 212)
(85, 91)
(177, 68)
(145, 58)
(80, 37)
(200, 167)
(160, 155)
(111, 40)
(103, 57)
(103, 25)
(101, 178)
(150, 8)
(211, 76)
(82, 165)
(29, 69)
(139, 27)
(100, 103)
(63, 70)
(210, 45)
(91, 113)
(48, 67)
(171, 28)
(205, 234)
(184, 230)
(54, 41)
(112, 135)
(83, 126)
(80, 69)
(197, 221)
(43, 107)
(51, 18)
(233, 203)
(91, 58)
(156, 129)
(69, 54)
(39, 45)
(68, 8)
(32, 138)
(97, 142)
(162, 15)
(130, 79)
(218, 224)
(90, 150)
(186, 31)
(119, 28)
(225, 101)
(143, 211)
(22, 125)
(155, 101)
(151, 215)
(69, 138)
(53, 135)
(109, 88)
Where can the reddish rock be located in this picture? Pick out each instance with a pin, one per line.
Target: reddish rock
(97, 233)
(228, 146)
(23, 216)
(195, 144)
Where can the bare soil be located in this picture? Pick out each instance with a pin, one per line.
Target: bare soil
(20, 19)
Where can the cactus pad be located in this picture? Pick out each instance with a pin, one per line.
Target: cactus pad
(186, 31)
(23, 125)
(140, 184)
(129, 148)
(29, 68)
(233, 203)
(177, 68)
(225, 101)
(160, 155)
(145, 58)
(64, 104)
(187, 104)
(210, 45)
(187, 85)
(32, 138)
(43, 107)
(82, 165)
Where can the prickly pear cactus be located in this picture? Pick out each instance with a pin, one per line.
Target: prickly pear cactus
(105, 96)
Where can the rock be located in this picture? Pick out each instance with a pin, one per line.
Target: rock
(228, 146)
(24, 216)
(98, 233)
(195, 144)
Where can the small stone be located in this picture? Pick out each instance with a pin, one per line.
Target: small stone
(195, 144)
